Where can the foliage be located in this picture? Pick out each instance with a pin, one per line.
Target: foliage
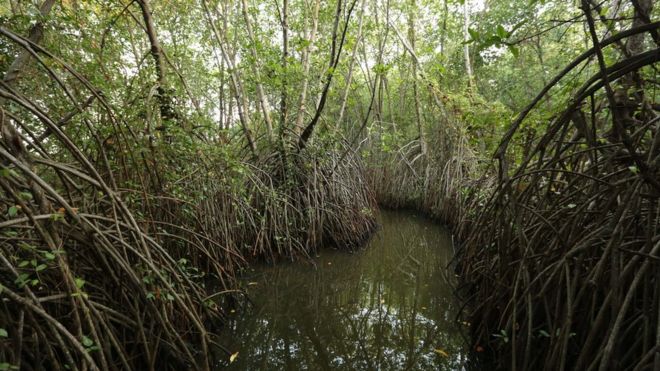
(150, 150)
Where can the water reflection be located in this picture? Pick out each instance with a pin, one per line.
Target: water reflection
(387, 307)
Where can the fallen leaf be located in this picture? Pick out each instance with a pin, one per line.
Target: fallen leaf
(233, 357)
(441, 352)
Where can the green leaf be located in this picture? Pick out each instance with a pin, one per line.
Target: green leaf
(40, 267)
(513, 50)
(4, 172)
(12, 211)
(79, 282)
(473, 34)
(501, 32)
(87, 342)
(21, 280)
(3, 333)
(492, 40)
(604, 10)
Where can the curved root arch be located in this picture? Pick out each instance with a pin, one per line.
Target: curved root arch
(564, 259)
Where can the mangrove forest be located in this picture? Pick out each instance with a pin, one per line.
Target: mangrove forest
(330, 185)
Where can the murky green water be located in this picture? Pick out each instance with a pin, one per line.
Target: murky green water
(387, 307)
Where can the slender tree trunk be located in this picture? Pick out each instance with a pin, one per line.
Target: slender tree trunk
(336, 48)
(635, 46)
(234, 78)
(165, 103)
(311, 38)
(443, 37)
(36, 33)
(285, 57)
(466, 37)
(263, 101)
(221, 96)
(9, 134)
(380, 72)
(372, 86)
(418, 115)
(422, 75)
(349, 78)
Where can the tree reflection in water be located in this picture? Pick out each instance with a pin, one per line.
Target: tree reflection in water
(387, 307)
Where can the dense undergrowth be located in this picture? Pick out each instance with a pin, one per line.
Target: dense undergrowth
(443, 182)
(562, 262)
(99, 282)
(145, 164)
(109, 245)
(558, 255)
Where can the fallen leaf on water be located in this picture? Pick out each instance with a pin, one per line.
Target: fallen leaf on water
(441, 352)
(232, 357)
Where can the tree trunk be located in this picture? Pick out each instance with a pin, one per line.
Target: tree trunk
(305, 62)
(263, 101)
(418, 115)
(466, 37)
(285, 56)
(237, 87)
(335, 54)
(164, 101)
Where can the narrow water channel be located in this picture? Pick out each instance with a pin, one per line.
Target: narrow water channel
(386, 307)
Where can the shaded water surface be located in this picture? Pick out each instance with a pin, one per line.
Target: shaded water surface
(387, 307)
